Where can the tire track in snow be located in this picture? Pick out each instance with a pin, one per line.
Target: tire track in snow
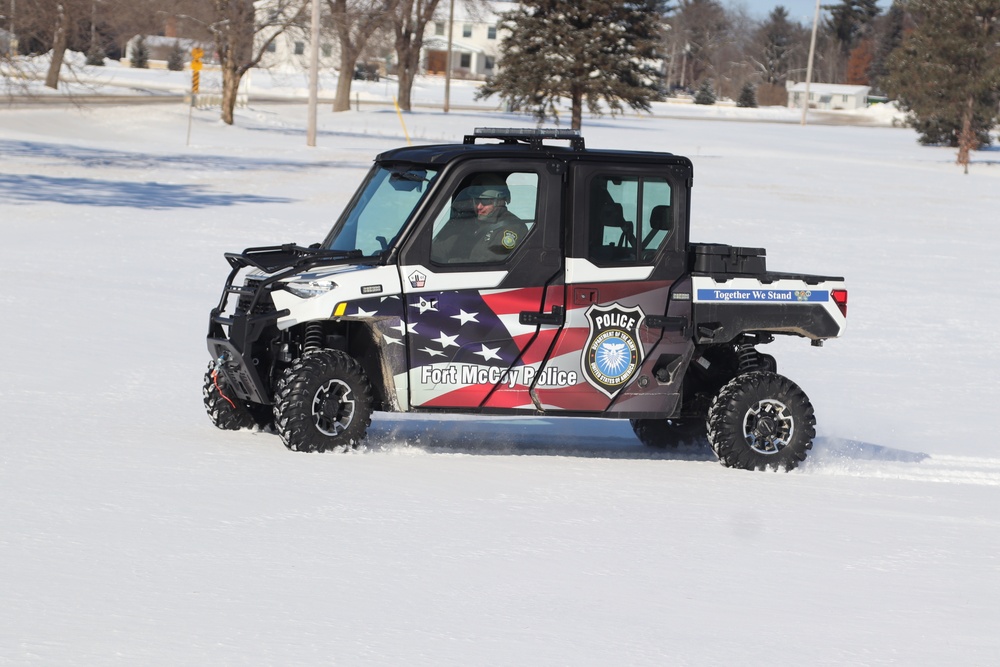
(858, 459)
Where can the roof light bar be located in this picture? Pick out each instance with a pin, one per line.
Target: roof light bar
(533, 137)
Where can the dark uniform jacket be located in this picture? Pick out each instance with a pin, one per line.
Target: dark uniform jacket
(479, 240)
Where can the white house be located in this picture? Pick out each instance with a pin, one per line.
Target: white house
(475, 44)
(830, 96)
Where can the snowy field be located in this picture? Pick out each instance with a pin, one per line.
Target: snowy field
(134, 533)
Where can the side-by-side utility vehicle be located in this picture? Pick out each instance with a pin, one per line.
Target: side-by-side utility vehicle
(519, 273)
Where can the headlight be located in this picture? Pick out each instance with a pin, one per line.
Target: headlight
(307, 290)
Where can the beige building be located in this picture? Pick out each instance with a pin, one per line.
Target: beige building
(828, 96)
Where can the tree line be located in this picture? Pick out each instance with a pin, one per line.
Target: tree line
(939, 58)
(240, 30)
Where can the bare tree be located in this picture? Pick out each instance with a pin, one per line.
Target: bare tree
(700, 28)
(409, 24)
(355, 21)
(242, 33)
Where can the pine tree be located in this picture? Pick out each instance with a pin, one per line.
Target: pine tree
(95, 56)
(748, 97)
(175, 59)
(776, 37)
(947, 72)
(888, 34)
(593, 51)
(705, 94)
(851, 19)
(140, 54)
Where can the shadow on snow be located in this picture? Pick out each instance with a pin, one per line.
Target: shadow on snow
(25, 189)
(96, 158)
(587, 438)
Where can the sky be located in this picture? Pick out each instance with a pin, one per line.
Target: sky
(802, 11)
(133, 532)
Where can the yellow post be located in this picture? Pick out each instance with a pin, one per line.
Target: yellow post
(399, 113)
(196, 55)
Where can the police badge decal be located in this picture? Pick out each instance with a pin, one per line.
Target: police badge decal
(612, 353)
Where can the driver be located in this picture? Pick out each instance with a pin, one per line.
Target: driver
(491, 235)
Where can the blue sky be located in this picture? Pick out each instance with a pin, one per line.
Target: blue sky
(798, 10)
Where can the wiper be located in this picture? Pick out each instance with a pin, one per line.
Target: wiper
(410, 176)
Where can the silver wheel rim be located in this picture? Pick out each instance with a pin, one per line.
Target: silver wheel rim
(333, 408)
(768, 426)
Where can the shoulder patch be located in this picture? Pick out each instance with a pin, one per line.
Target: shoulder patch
(509, 239)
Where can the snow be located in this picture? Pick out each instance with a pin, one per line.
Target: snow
(133, 532)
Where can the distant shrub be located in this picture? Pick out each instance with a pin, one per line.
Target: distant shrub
(705, 94)
(748, 97)
(95, 56)
(175, 59)
(140, 54)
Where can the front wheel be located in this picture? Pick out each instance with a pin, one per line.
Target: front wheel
(224, 409)
(761, 420)
(323, 403)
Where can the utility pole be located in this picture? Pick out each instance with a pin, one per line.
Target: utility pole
(809, 67)
(313, 75)
(10, 24)
(447, 65)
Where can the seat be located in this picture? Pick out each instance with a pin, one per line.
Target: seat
(606, 212)
(659, 221)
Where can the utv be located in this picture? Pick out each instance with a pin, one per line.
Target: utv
(508, 275)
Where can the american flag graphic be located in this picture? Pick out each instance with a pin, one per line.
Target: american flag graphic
(468, 349)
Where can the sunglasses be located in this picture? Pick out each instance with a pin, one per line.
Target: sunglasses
(485, 201)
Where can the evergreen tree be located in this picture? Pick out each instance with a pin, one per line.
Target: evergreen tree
(888, 34)
(140, 54)
(705, 94)
(776, 40)
(95, 56)
(947, 72)
(175, 59)
(850, 20)
(589, 51)
(748, 97)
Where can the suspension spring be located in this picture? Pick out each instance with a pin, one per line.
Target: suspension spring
(748, 357)
(313, 338)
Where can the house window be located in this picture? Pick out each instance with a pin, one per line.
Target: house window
(300, 48)
(465, 61)
(489, 62)
(467, 30)
(327, 50)
(844, 99)
(491, 32)
(272, 47)
(439, 28)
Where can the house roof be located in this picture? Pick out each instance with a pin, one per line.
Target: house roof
(830, 88)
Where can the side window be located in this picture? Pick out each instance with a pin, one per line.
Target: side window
(486, 219)
(630, 218)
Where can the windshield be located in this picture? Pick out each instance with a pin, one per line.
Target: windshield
(385, 203)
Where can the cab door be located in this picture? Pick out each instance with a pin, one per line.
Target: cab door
(477, 330)
(624, 335)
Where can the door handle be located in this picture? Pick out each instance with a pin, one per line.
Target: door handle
(557, 316)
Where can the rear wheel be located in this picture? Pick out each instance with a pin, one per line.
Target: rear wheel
(323, 403)
(761, 420)
(670, 433)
